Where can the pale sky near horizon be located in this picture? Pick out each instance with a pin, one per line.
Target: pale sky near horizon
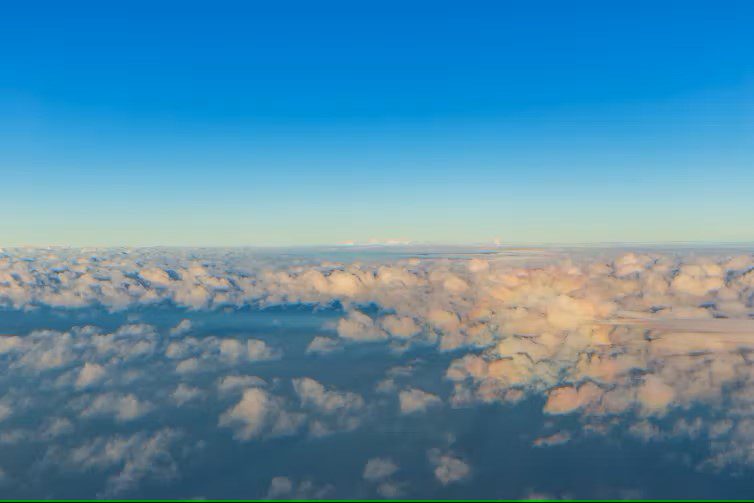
(286, 123)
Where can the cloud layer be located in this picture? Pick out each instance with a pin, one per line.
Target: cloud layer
(656, 344)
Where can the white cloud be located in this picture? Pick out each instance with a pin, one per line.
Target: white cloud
(184, 394)
(5, 411)
(258, 350)
(323, 345)
(286, 488)
(315, 395)
(232, 383)
(448, 469)
(358, 326)
(558, 438)
(260, 413)
(414, 400)
(188, 366)
(122, 407)
(89, 374)
(379, 468)
(181, 328)
(136, 457)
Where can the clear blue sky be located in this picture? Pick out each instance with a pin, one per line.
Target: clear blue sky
(277, 123)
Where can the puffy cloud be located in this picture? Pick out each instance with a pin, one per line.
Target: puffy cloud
(232, 349)
(286, 488)
(448, 469)
(323, 345)
(401, 327)
(390, 489)
(184, 394)
(567, 399)
(122, 407)
(331, 410)
(280, 487)
(252, 350)
(181, 328)
(56, 427)
(188, 366)
(89, 374)
(258, 350)
(358, 326)
(379, 468)
(136, 457)
(5, 411)
(315, 395)
(414, 400)
(233, 383)
(558, 438)
(260, 413)
(654, 395)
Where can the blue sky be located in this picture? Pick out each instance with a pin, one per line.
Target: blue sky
(287, 123)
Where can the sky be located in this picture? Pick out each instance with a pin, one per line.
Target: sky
(299, 123)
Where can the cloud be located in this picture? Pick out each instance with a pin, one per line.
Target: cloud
(188, 366)
(233, 383)
(414, 400)
(615, 341)
(286, 488)
(134, 458)
(448, 469)
(56, 427)
(252, 350)
(323, 345)
(184, 394)
(401, 327)
(122, 407)
(360, 327)
(315, 395)
(258, 350)
(390, 489)
(558, 438)
(378, 469)
(90, 373)
(5, 411)
(259, 413)
(567, 399)
(181, 328)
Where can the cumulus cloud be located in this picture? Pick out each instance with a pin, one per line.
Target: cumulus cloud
(358, 326)
(323, 345)
(252, 350)
(233, 383)
(448, 469)
(90, 373)
(5, 411)
(258, 350)
(558, 438)
(315, 395)
(184, 394)
(260, 413)
(287, 488)
(335, 410)
(122, 407)
(414, 400)
(379, 468)
(181, 328)
(131, 458)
